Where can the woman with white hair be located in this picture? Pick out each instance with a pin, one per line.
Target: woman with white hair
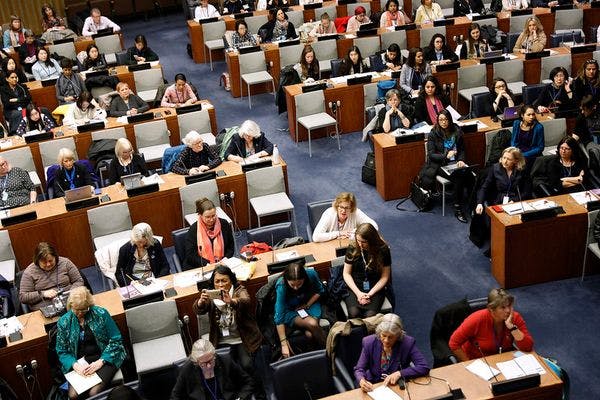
(387, 356)
(206, 375)
(249, 143)
(196, 157)
(142, 257)
(125, 162)
(69, 175)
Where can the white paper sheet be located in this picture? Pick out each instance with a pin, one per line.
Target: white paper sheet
(383, 393)
(286, 255)
(82, 383)
(521, 366)
(482, 370)
(156, 285)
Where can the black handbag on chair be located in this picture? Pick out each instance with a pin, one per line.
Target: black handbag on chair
(368, 170)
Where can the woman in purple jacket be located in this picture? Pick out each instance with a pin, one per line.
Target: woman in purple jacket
(386, 356)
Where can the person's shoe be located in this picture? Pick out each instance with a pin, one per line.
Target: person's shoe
(460, 215)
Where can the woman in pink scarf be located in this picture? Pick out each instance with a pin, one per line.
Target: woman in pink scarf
(393, 15)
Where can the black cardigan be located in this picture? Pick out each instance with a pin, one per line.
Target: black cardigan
(116, 170)
(118, 108)
(429, 54)
(461, 7)
(192, 259)
(21, 93)
(421, 113)
(237, 146)
(158, 262)
(147, 53)
(435, 147)
(61, 183)
(497, 184)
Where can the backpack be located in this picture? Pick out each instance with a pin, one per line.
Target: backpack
(289, 242)
(384, 86)
(224, 138)
(265, 310)
(500, 141)
(368, 170)
(7, 308)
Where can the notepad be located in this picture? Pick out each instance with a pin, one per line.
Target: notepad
(521, 366)
(384, 393)
(82, 383)
(482, 370)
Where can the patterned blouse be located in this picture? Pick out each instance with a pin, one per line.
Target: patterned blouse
(15, 188)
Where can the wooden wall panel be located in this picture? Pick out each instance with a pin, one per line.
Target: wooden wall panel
(29, 11)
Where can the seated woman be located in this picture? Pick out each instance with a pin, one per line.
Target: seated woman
(233, 7)
(28, 51)
(528, 136)
(209, 240)
(558, 95)
(46, 67)
(587, 124)
(69, 85)
(353, 63)
(393, 15)
(241, 37)
(126, 103)
(195, 158)
(232, 322)
(205, 10)
(325, 27)
(367, 271)
(249, 143)
(445, 146)
(438, 52)
(53, 26)
(84, 110)
(205, 370)
(94, 59)
(273, 4)
(125, 162)
(532, 38)
(298, 289)
(341, 220)
(87, 331)
(46, 276)
(391, 117)
(35, 120)
(428, 12)
(475, 45)
(389, 355)
(493, 330)
(14, 97)
(431, 101)
(140, 52)
(308, 67)
(70, 175)
(18, 190)
(414, 71)
(392, 60)
(179, 94)
(564, 173)
(587, 82)
(500, 96)
(359, 18)
(464, 7)
(15, 34)
(509, 5)
(142, 257)
(280, 28)
(9, 65)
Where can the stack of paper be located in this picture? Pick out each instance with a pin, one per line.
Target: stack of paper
(82, 383)
(521, 366)
(156, 285)
(584, 197)
(516, 208)
(10, 325)
(286, 255)
(482, 370)
(384, 393)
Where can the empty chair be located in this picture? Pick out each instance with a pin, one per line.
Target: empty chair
(325, 52)
(271, 234)
(109, 223)
(512, 72)
(179, 246)
(266, 194)
(596, 55)
(368, 45)
(213, 38)
(49, 150)
(112, 133)
(253, 70)
(345, 356)
(351, 7)
(8, 265)
(255, 22)
(331, 11)
(152, 138)
(591, 243)
(554, 131)
(66, 50)
(109, 44)
(290, 55)
(480, 105)
(310, 113)
(517, 23)
(158, 344)
(370, 92)
(315, 210)
(511, 40)
(427, 34)
(190, 193)
(569, 21)
(21, 157)
(549, 63)
(472, 80)
(296, 17)
(336, 67)
(147, 83)
(532, 92)
(198, 121)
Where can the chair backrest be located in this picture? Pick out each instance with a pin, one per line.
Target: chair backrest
(427, 34)
(348, 348)
(307, 372)
(489, 135)
(290, 55)
(325, 50)
(316, 210)
(252, 62)
(592, 215)
(335, 67)
(370, 94)
(310, 103)
(517, 23)
(6, 250)
(198, 121)
(296, 17)
(109, 44)
(447, 7)
(554, 131)
(398, 37)
(511, 40)
(213, 30)
(532, 92)
(164, 317)
(190, 193)
(270, 234)
(368, 45)
(472, 76)
(331, 11)
(108, 219)
(151, 133)
(569, 20)
(510, 71)
(21, 157)
(480, 105)
(596, 55)
(255, 22)
(549, 63)
(64, 50)
(49, 149)
(488, 21)
(148, 79)
(179, 243)
(352, 7)
(264, 181)
(112, 133)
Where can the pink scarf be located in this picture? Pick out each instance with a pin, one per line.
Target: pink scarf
(211, 251)
(431, 111)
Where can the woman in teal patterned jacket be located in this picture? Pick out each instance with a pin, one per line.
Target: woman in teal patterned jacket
(88, 331)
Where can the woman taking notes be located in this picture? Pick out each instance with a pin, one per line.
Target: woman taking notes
(341, 220)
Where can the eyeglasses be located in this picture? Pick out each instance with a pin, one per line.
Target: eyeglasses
(348, 208)
(82, 310)
(500, 85)
(564, 148)
(442, 119)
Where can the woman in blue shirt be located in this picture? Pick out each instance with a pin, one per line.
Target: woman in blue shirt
(528, 134)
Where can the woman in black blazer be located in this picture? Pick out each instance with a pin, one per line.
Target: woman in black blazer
(250, 142)
(438, 51)
(69, 175)
(125, 162)
(142, 257)
(431, 101)
(126, 103)
(279, 27)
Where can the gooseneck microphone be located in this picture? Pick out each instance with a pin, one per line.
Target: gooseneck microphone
(402, 383)
(486, 361)
(522, 210)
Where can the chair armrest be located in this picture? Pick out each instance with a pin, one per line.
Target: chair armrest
(309, 232)
(343, 375)
(176, 263)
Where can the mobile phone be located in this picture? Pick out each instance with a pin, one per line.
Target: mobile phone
(213, 294)
(104, 198)
(302, 313)
(170, 292)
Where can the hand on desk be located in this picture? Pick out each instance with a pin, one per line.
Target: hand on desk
(392, 379)
(198, 170)
(479, 209)
(93, 367)
(133, 111)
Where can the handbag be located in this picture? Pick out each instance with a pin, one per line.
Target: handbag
(368, 169)
(255, 248)
(289, 242)
(421, 198)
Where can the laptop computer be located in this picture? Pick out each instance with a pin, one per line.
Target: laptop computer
(510, 113)
(132, 181)
(80, 193)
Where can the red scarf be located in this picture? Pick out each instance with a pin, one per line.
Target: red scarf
(210, 242)
(431, 111)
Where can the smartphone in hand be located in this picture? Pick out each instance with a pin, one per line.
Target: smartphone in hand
(302, 313)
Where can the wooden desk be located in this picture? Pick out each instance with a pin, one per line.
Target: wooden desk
(34, 344)
(538, 251)
(472, 386)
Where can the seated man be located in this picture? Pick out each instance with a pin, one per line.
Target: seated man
(48, 276)
(96, 22)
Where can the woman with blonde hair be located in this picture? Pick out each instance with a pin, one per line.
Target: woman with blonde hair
(126, 103)
(532, 38)
(125, 162)
(341, 219)
(249, 143)
(70, 175)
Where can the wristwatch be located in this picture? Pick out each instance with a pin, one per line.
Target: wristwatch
(514, 328)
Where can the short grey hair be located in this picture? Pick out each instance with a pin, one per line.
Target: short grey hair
(249, 128)
(391, 323)
(199, 348)
(191, 137)
(65, 154)
(142, 231)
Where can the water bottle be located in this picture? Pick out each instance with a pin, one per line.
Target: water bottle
(275, 157)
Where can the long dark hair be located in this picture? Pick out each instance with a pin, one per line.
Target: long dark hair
(452, 129)
(307, 69)
(376, 246)
(444, 44)
(573, 145)
(438, 88)
(394, 48)
(84, 96)
(293, 272)
(506, 88)
(412, 55)
(348, 60)
(141, 39)
(224, 270)
(34, 124)
(48, 61)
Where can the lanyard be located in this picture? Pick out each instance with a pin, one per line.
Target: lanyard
(214, 393)
(70, 175)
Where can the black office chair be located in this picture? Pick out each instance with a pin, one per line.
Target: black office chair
(335, 67)
(315, 210)
(346, 353)
(376, 63)
(532, 92)
(557, 38)
(511, 39)
(179, 245)
(270, 234)
(24, 307)
(480, 105)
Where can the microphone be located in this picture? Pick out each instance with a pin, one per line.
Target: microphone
(240, 152)
(307, 390)
(485, 360)
(572, 38)
(591, 205)
(402, 383)
(126, 284)
(520, 200)
(272, 249)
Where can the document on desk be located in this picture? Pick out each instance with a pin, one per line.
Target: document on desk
(10, 325)
(521, 366)
(383, 393)
(82, 383)
(584, 197)
(482, 370)
(189, 278)
(156, 285)
(154, 178)
(286, 255)
(517, 208)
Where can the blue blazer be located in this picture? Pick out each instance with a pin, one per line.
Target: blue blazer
(404, 352)
(537, 143)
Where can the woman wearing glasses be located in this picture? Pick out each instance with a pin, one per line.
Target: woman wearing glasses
(500, 96)
(367, 271)
(125, 162)
(341, 219)
(87, 332)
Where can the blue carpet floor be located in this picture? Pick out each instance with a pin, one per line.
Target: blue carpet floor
(433, 261)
